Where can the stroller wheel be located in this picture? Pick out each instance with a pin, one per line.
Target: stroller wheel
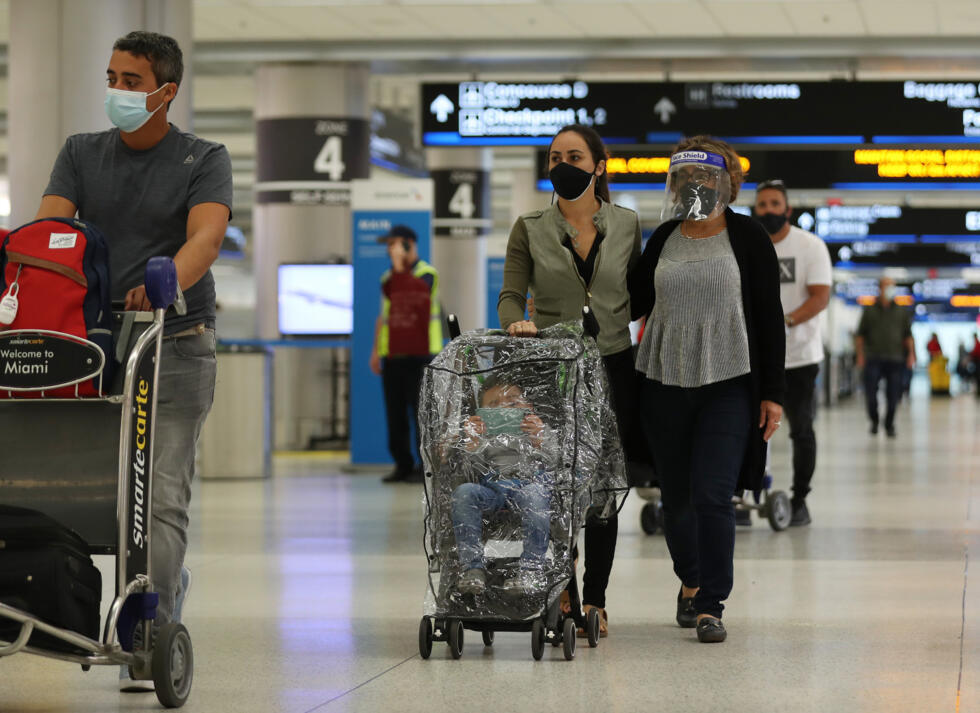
(456, 638)
(487, 638)
(780, 511)
(425, 637)
(592, 627)
(568, 638)
(537, 639)
(651, 517)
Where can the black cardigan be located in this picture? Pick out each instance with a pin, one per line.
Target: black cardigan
(759, 271)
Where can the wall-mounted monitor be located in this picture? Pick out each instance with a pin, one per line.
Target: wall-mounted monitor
(316, 300)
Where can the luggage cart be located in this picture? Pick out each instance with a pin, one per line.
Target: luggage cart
(97, 480)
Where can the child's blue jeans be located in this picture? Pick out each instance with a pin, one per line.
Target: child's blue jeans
(532, 501)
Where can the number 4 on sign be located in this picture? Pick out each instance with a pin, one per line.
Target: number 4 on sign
(330, 160)
(462, 201)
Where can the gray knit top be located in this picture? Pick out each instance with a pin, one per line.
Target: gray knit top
(696, 334)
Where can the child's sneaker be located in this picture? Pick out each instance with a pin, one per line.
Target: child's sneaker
(473, 581)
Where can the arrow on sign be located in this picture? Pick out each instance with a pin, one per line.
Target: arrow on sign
(665, 107)
(442, 107)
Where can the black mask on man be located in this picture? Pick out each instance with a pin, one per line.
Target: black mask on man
(570, 182)
(772, 222)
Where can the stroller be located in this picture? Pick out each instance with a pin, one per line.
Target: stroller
(520, 449)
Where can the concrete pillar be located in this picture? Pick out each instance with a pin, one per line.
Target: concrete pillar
(312, 138)
(462, 220)
(58, 54)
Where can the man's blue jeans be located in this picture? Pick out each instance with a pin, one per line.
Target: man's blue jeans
(891, 370)
(184, 395)
(532, 501)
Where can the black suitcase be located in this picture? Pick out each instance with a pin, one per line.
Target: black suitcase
(45, 569)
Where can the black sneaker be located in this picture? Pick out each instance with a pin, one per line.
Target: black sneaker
(711, 631)
(801, 516)
(743, 518)
(415, 475)
(473, 581)
(874, 428)
(396, 476)
(890, 431)
(687, 618)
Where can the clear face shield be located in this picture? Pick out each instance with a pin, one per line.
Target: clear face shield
(698, 186)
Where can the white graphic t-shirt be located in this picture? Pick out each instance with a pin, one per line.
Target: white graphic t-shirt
(803, 260)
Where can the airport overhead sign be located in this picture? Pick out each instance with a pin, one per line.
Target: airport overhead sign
(488, 113)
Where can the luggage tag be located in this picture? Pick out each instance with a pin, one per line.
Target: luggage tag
(10, 303)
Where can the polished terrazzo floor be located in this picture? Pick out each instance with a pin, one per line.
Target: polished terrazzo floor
(308, 588)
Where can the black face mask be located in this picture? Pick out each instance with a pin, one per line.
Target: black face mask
(772, 222)
(570, 182)
(699, 201)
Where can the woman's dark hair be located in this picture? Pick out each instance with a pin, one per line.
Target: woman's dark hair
(598, 151)
(166, 59)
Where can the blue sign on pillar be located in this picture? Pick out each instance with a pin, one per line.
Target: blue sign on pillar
(495, 283)
(375, 207)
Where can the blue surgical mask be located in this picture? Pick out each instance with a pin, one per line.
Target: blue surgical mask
(127, 110)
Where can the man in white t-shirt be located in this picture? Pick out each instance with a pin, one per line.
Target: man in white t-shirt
(805, 279)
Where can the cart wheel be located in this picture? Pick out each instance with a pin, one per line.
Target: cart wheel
(173, 665)
(425, 637)
(487, 638)
(456, 638)
(537, 639)
(592, 627)
(648, 518)
(86, 668)
(780, 511)
(568, 638)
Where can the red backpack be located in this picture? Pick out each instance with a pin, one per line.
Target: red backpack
(57, 272)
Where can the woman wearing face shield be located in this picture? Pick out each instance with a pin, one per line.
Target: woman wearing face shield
(712, 353)
(575, 253)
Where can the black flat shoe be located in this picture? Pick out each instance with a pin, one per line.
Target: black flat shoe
(711, 631)
(687, 618)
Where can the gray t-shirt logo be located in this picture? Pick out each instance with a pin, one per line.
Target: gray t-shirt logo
(787, 269)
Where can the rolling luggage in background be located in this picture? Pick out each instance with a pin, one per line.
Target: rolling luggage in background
(45, 569)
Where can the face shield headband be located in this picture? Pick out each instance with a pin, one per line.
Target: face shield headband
(698, 186)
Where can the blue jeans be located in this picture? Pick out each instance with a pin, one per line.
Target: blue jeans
(698, 439)
(471, 500)
(893, 372)
(185, 392)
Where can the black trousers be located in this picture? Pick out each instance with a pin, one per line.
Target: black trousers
(401, 379)
(600, 538)
(698, 438)
(801, 409)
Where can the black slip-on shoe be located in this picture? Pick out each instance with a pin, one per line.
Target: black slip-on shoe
(396, 476)
(711, 631)
(874, 428)
(890, 431)
(801, 516)
(687, 618)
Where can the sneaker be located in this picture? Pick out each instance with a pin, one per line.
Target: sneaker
(687, 618)
(127, 684)
(743, 518)
(415, 475)
(801, 515)
(522, 584)
(473, 581)
(185, 587)
(890, 431)
(874, 428)
(711, 631)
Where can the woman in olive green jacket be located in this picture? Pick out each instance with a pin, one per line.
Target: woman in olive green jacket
(575, 253)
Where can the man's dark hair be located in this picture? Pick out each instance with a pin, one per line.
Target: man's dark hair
(166, 59)
(775, 184)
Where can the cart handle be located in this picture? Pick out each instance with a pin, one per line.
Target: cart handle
(161, 284)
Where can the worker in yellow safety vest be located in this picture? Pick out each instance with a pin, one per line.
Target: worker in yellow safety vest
(407, 335)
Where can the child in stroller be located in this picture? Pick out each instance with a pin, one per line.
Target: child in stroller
(504, 432)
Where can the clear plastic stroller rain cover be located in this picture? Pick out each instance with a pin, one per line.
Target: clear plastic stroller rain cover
(521, 449)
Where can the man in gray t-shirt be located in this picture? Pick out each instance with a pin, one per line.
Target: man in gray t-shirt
(155, 190)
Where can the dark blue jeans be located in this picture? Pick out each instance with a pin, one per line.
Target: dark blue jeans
(698, 438)
(893, 372)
